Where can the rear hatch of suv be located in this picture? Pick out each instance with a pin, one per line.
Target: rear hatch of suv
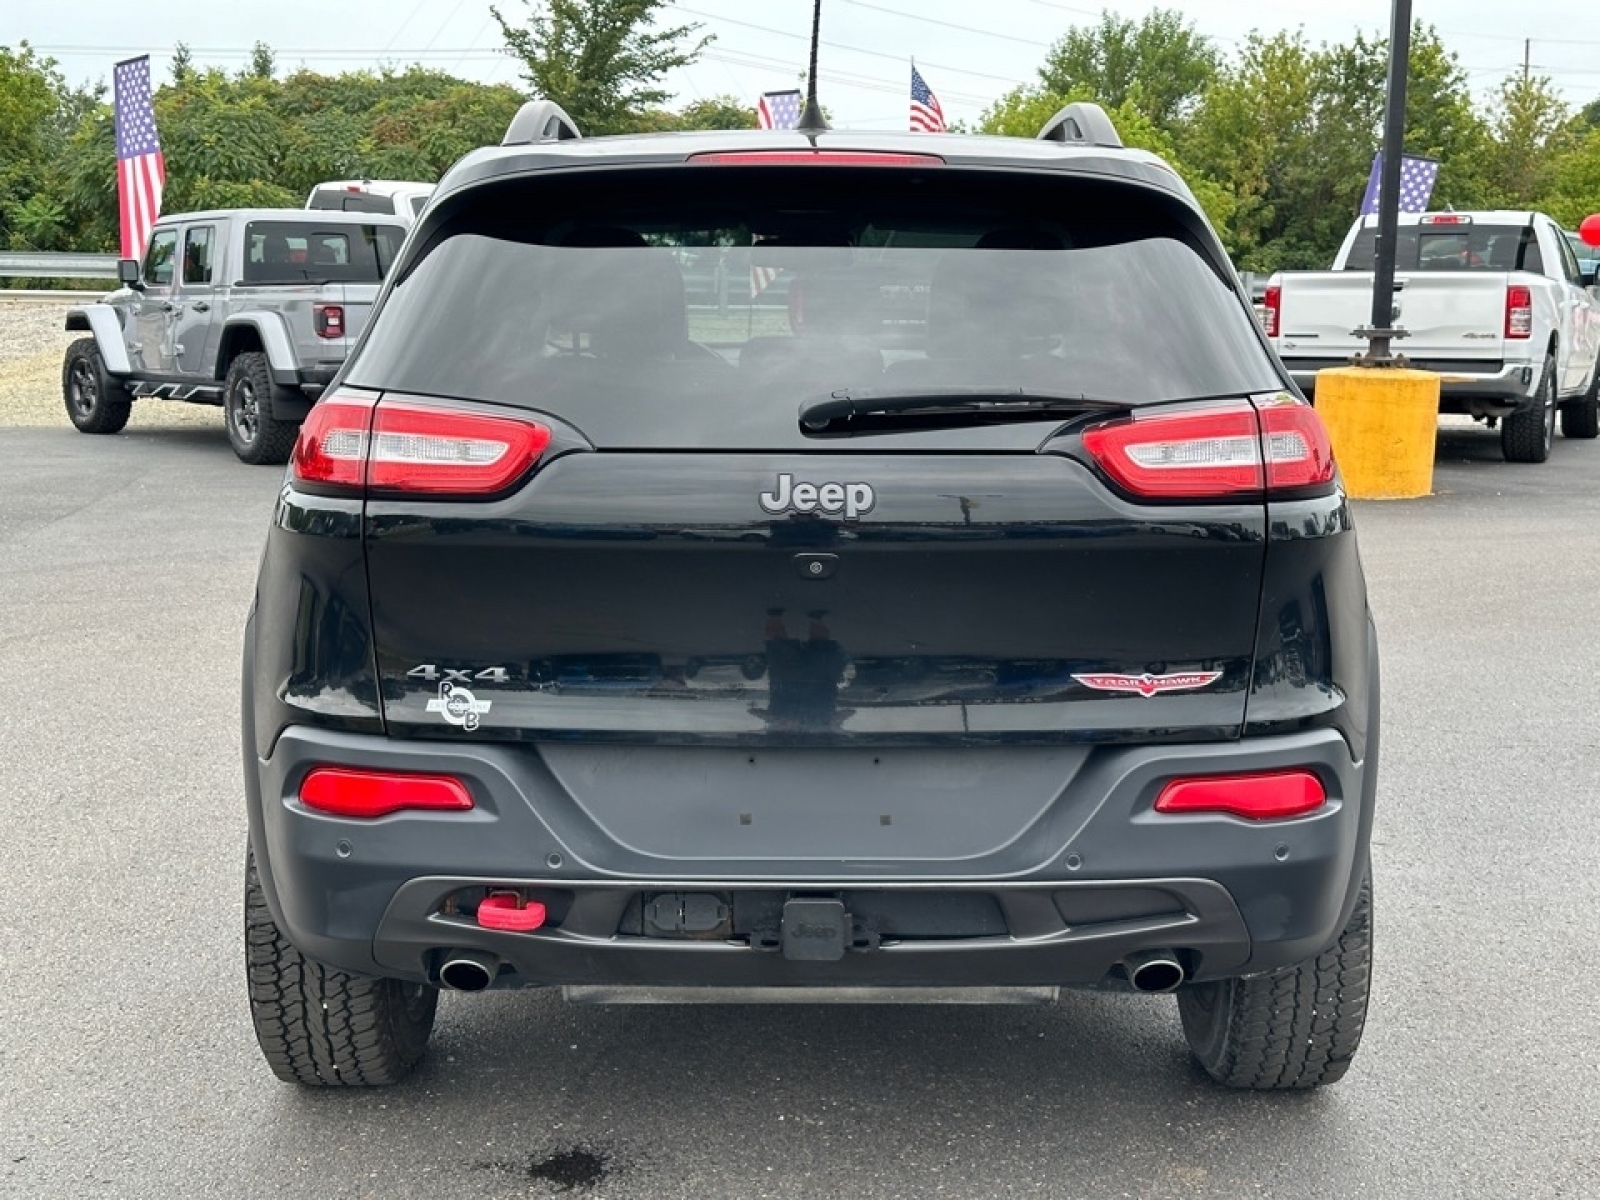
(844, 455)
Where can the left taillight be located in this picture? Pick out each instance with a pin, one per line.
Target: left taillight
(353, 442)
(328, 320)
(352, 792)
(1229, 449)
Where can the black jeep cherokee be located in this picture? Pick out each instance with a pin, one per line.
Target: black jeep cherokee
(771, 565)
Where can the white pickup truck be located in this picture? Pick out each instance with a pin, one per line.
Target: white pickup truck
(1495, 302)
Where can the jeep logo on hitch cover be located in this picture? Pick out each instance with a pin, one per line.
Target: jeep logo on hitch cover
(833, 499)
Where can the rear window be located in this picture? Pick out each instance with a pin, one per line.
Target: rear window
(300, 252)
(1453, 248)
(715, 294)
(340, 200)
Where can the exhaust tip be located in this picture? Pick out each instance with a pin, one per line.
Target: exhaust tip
(1154, 971)
(468, 971)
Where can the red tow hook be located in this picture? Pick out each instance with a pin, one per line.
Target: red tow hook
(506, 910)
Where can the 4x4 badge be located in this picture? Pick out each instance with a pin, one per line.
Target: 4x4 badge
(834, 499)
(459, 706)
(1148, 685)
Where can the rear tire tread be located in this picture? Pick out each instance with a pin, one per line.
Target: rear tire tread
(1524, 436)
(322, 1027)
(1293, 1029)
(1580, 418)
(274, 440)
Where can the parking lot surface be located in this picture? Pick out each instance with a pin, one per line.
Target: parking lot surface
(128, 1067)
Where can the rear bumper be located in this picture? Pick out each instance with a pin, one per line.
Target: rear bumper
(1464, 387)
(1094, 877)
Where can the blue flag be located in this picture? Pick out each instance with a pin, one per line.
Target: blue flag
(1417, 176)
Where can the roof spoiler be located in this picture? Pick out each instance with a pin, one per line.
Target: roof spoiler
(540, 121)
(1081, 122)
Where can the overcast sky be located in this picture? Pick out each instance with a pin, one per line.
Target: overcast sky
(970, 51)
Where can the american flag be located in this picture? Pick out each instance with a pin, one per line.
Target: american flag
(1417, 176)
(761, 278)
(141, 170)
(926, 115)
(778, 110)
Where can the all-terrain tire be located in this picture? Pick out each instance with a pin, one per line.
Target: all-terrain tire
(322, 1027)
(96, 403)
(247, 396)
(1526, 436)
(1580, 418)
(1295, 1028)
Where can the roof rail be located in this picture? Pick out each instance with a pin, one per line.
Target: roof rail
(540, 121)
(1081, 122)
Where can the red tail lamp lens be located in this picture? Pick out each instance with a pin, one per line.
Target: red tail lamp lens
(331, 449)
(1299, 452)
(417, 448)
(1272, 310)
(1268, 797)
(348, 792)
(1519, 312)
(1191, 455)
(351, 442)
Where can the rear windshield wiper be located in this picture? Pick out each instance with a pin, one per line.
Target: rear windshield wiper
(950, 406)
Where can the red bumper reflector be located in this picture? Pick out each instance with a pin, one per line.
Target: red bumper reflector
(347, 792)
(1271, 797)
(507, 912)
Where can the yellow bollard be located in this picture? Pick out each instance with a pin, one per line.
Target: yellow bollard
(1383, 421)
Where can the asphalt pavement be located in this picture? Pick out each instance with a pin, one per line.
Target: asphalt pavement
(128, 1067)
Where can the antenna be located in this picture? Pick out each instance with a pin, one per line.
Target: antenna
(811, 118)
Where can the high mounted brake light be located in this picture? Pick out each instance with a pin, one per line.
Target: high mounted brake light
(1228, 449)
(352, 442)
(824, 158)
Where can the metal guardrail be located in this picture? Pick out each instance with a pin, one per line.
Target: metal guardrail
(50, 264)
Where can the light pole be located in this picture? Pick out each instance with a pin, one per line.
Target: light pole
(1380, 332)
(1381, 416)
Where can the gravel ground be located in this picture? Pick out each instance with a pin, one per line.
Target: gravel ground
(32, 342)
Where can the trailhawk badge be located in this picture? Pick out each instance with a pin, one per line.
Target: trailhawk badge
(1148, 685)
(459, 706)
(834, 499)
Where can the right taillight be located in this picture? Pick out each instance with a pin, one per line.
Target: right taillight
(353, 442)
(1188, 455)
(1272, 310)
(1295, 444)
(1278, 444)
(1519, 311)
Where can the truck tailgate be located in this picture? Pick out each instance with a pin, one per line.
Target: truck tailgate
(1456, 316)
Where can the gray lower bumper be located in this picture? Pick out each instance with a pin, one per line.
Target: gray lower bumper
(1096, 876)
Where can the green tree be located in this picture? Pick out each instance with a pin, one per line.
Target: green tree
(1024, 111)
(1159, 64)
(1532, 128)
(38, 112)
(1291, 130)
(601, 60)
(715, 112)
